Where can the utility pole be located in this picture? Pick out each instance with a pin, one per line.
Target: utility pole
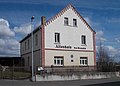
(32, 18)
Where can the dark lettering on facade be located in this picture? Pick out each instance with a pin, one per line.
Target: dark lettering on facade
(65, 46)
(68, 47)
(79, 48)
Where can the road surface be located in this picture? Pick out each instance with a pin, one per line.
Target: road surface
(97, 82)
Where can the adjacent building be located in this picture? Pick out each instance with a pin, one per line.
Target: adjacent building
(66, 40)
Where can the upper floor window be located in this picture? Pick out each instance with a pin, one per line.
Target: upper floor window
(83, 39)
(66, 21)
(25, 46)
(57, 37)
(36, 39)
(28, 44)
(74, 22)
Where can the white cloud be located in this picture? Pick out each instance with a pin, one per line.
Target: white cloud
(113, 20)
(9, 46)
(112, 51)
(99, 33)
(2, 43)
(5, 30)
(117, 39)
(23, 29)
(88, 20)
(99, 36)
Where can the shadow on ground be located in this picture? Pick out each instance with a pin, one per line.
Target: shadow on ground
(106, 84)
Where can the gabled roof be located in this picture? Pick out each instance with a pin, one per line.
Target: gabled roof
(63, 11)
(58, 15)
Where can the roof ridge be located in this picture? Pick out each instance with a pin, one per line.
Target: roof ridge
(58, 14)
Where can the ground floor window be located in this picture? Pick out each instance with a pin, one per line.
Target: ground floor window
(58, 61)
(28, 60)
(83, 61)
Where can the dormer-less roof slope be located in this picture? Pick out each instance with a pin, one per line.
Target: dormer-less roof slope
(30, 34)
(63, 11)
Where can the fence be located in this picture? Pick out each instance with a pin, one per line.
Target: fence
(107, 67)
(12, 73)
(64, 70)
(71, 73)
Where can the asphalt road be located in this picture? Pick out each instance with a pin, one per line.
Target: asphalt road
(98, 82)
(106, 84)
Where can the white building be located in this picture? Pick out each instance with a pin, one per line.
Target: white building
(66, 40)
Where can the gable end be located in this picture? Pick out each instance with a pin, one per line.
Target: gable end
(63, 11)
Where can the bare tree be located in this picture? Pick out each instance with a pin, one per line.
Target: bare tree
(105, 62)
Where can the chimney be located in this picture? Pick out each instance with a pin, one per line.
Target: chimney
(43, 20)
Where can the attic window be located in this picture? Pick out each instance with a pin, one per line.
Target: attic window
(74, 22)
(65, 21)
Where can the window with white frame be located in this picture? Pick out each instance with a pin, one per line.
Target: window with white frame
(83, 61)
(66, 21)
(83, 39)
(36, 39)
(74, 22)
(57, 37)
(58, 61)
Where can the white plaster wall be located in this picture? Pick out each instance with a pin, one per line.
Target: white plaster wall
(69, 35)
(49, 57)
(90, 75)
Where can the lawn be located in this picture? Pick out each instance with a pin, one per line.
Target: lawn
(14, 75)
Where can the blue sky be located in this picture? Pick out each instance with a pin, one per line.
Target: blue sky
(102, 15)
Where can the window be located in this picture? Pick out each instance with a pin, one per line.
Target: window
(36, 39)
(71, 56)
(72, 60)
(83, 39)
(83, 61)
(25, 45)
(65, 21)
(22, 49)
(57, 37)
(28, 44)
(58, 61)
(28, 60)
(74, 22)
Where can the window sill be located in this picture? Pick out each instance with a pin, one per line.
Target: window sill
(58, 65)
(57, 43)
(83, 45)
(83, 65)
(66, 25)
(70, 25)
(75, 26)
